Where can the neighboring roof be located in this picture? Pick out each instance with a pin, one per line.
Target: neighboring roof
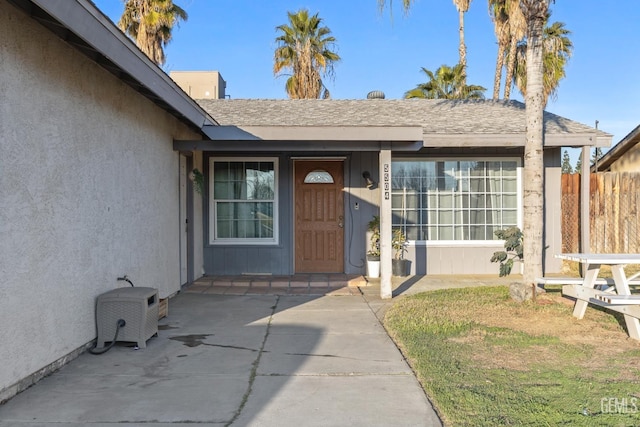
(81, 24)
(618, 150)
(442, 121)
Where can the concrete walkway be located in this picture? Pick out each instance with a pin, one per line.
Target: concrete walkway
(242, 360)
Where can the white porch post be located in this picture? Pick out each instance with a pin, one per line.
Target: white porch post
(385, 224)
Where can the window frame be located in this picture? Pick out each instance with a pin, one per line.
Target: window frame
(475, 243)
(213, 225)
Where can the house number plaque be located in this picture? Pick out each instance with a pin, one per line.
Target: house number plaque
(386, 180)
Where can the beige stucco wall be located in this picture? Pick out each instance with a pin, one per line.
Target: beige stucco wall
(88, 192)
(629, 162)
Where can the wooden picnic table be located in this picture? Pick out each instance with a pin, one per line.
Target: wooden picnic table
(616, 298)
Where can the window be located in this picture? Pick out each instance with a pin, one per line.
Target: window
(318, 177)
(454, 200)
(243, 200)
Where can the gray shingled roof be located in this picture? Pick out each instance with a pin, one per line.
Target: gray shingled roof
(435, 116)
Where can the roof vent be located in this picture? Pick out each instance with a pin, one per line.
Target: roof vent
(375, 94)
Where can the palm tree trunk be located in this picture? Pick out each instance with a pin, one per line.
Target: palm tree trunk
(533, 202)
(511, 66)
(497, 79)
(462, 49)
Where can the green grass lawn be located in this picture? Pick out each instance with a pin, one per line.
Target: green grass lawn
(485, 360)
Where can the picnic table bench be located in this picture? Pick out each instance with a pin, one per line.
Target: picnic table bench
(614, 294)
(601, 281)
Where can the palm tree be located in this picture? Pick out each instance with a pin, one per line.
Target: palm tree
(517, 29)
(535, 13)
(446, 83)
(304, 50)
(150, 23)
(557, 49)
(500, 18)
(462, 7)
(510, 27)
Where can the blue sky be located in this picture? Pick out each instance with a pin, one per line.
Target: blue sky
(236, 38)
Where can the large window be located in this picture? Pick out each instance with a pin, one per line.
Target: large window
(454, 200)
(243, 200)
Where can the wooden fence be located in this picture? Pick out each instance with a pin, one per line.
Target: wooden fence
(615, 217)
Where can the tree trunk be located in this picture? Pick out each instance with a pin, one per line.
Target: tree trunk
(498, 76)
(533, 201)
(511, 66)
(462, 49)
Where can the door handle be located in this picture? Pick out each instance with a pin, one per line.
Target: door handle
(340, 223)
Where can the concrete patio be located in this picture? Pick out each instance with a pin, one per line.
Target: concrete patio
(269, 358)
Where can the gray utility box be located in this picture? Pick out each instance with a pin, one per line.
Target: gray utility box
(138, 307)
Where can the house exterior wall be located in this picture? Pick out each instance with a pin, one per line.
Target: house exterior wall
(252, 259)
(360, 205)
(629, 162)
(278, 259)
(89, 191)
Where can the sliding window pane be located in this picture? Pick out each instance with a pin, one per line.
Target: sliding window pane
(494, 201)
(494, 216)
(445, 201)
(446, 232)
(477, 216)
(445, 217)
(236, 171)
(433, 233)
(510, 201)
(494, 185)
(221, 190)
(221, 171)
(477, 232)
(509, 217)
(477, 201)
(509, 185)
(476, 185)
(509, 169)
(224, 210)
(477, 170)
(413, 233)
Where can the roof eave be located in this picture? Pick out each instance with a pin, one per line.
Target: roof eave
(513, 140)
(314, 133)
(87, 29)
(618, 150)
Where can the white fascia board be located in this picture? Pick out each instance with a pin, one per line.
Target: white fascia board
(315, 133)
(513, 140)
(83, 19)
(579, 140)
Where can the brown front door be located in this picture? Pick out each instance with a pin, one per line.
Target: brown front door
(319, 213)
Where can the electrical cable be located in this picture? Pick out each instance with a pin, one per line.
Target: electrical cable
(120, 324)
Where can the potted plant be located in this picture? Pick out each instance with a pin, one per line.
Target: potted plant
(373, 254)
(399, 265)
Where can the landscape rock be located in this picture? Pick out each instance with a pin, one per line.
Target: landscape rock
(520, 292)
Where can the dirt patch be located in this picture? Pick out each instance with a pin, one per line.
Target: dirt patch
(601, 334)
